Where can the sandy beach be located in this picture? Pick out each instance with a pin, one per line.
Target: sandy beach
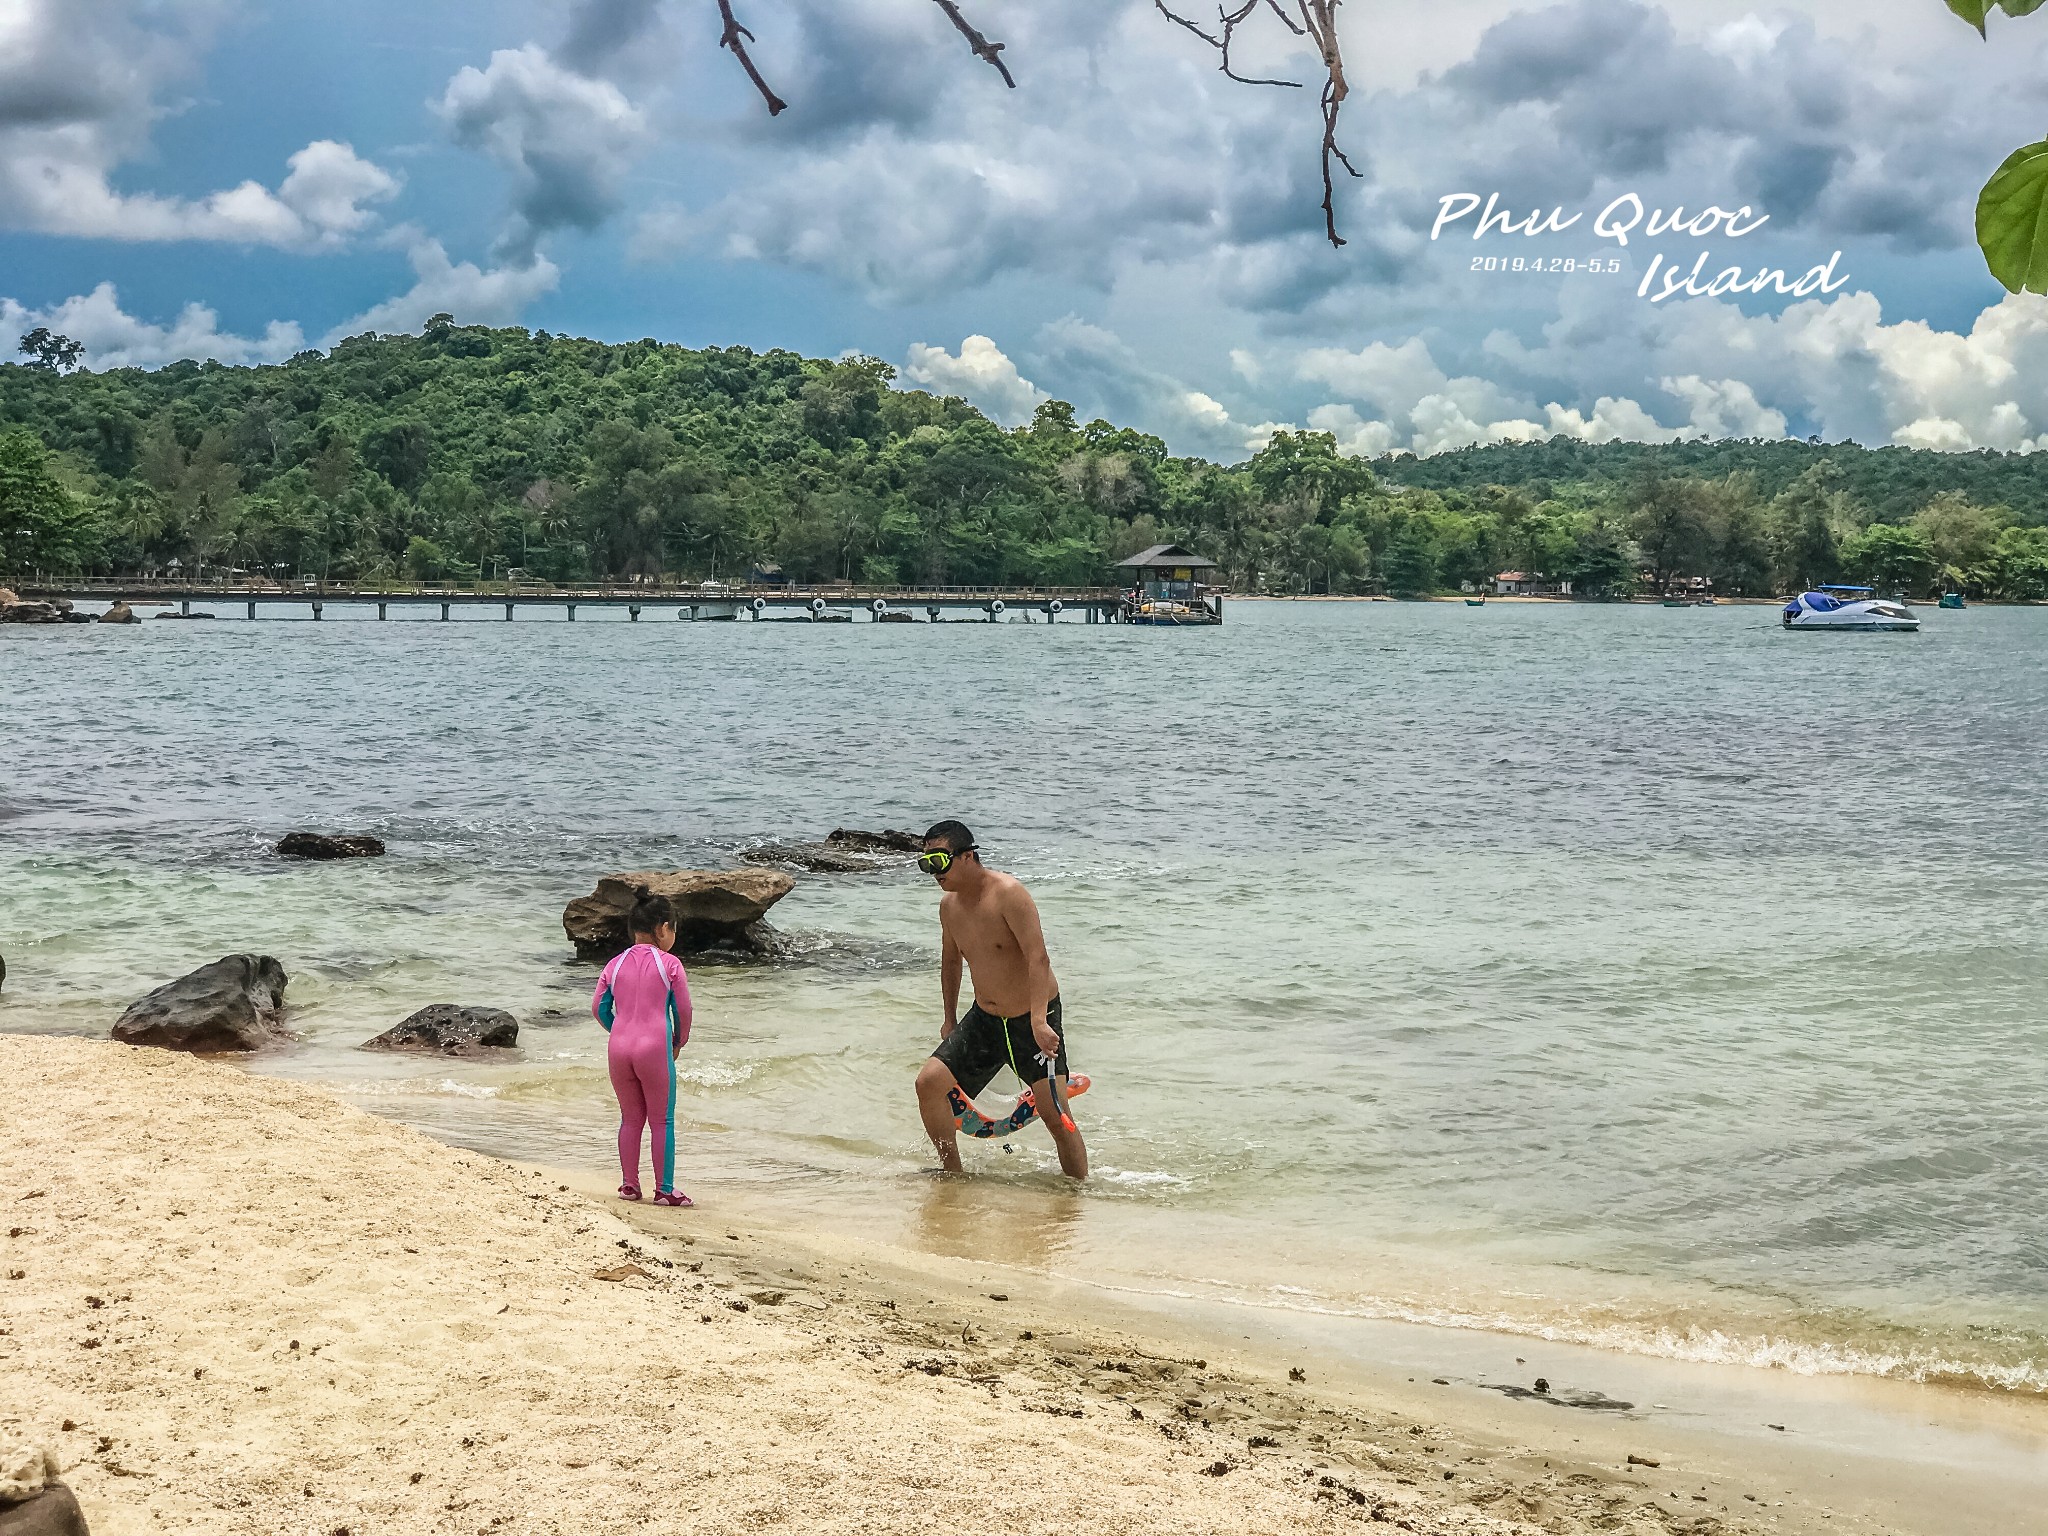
(233, 1303)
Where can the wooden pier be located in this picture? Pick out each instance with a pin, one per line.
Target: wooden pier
(709, 602)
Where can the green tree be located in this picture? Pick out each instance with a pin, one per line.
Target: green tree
(1601, 565)
(1409, 565)
(48, 350)
(42, 525)
(2018, 567)
(1668, 519)
(1892, 558)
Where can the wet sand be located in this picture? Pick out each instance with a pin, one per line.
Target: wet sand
(233, 1303)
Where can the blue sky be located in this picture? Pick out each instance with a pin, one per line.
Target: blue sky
(1127, 230)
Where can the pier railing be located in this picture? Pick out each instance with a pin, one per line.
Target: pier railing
(663, 591)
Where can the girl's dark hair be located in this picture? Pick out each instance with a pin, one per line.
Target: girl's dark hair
(649, 913)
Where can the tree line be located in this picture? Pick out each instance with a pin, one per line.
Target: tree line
(465, 453)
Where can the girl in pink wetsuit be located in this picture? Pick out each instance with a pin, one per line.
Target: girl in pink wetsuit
(643, 1001)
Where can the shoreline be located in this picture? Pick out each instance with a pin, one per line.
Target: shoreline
(519, 1349)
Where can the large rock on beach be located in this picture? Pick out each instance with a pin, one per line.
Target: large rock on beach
(444, 1029)
(53, 1512)
(120, 613)
(234, 1004)
(716, 910)
(844, 852)
(33, 1499)
(320, 845)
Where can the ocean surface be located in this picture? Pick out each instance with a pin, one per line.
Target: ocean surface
(1645, 977)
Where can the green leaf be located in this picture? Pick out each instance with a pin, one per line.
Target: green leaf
(2021, 7)
(2012, 220)
(1972, 11)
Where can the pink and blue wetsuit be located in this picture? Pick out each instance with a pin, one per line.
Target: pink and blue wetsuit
(643, 1001)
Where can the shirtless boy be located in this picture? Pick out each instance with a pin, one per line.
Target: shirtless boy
(990, 921)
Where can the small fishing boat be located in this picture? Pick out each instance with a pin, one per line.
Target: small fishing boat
(1476, 602)
(1847, 608)
(1951, 600)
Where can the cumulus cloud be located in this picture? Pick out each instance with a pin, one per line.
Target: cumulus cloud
(113, 338)
(473, 295)
(981, 374)
(78, 88)
(1834, 364)
(1105, 376)
(568, 138)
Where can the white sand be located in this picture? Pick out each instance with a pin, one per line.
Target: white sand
(260, 1310)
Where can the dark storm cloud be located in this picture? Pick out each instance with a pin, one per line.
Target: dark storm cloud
(599, 30)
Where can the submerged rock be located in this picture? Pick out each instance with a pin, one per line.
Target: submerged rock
(875, 842)
(444, 1029)
(716, 910)
(843, 852)
(319, 845)
(234, 1004)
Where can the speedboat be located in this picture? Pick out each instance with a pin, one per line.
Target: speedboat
(1847, 608)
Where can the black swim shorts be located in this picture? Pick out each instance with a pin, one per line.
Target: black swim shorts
(982, 1044)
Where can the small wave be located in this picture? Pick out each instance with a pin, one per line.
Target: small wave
(717, 1075)
(407, 1088)
(1694, 1344)
(1139, 1177)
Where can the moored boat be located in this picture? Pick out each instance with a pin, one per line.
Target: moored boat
(1847, 608)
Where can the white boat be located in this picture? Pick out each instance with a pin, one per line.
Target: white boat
(1847, 608)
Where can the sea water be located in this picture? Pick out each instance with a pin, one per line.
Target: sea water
(1649, 977)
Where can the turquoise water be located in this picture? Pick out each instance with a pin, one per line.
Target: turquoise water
(1642, 976)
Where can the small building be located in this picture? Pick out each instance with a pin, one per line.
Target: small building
(1168, 587)
(767, 576)
(1527, 584)
(1168, 573)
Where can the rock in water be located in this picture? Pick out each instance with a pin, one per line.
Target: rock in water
(120, 613)
(35, 613)
(234, 1004)
(318, 845)
(844, 852)
(443, 1029)
(876, 842)
(7, 597)
(715, 910)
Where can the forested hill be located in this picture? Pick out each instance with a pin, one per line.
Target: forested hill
(1893, 483)
(466, 452)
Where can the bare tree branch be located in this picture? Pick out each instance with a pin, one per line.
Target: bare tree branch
(980, 45)
(1315, 20)
(736, 37)
(1182, 21)
(1319, 18)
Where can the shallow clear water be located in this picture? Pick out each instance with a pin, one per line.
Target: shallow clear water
(1652, 977)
